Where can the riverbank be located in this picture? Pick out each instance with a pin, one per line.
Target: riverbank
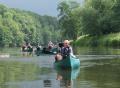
(110, 40)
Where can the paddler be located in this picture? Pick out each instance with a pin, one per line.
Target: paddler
(64, 51)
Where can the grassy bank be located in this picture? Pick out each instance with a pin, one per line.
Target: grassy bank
(110, 40)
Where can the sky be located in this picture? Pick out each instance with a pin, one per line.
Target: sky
(42, 7)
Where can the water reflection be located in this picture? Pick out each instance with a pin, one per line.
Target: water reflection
(96, 51)
(66, 77)
(24, 75)
(47, 83)
(17, 71)
(100, 68)
(100, 74)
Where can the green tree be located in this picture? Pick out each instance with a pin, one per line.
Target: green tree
(17, 26)
(116, 16)
(67, 19)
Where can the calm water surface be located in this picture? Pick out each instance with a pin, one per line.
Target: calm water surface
(100, 68)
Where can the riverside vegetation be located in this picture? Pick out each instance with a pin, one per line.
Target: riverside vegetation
(18, 26)
(110, 40)
(94, 23)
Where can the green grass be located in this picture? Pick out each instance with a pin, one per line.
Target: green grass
(110, 40)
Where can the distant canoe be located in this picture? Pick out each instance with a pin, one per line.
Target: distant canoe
(51, 51)
(68, 63)
(44, 51)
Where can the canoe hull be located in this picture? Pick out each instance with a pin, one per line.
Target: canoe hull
(67, 63)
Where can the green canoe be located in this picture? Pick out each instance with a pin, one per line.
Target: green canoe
(67, 63)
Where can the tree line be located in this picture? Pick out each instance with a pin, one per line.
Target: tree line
(18, 26)
(93, 18)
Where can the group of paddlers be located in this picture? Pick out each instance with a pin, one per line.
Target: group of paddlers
(62, 49)
(28, 49)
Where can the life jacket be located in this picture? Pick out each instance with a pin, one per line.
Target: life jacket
(65, 51)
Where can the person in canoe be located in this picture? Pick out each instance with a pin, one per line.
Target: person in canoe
(38, 49)
(64, 51)
(24, 49)
(50, 45)
(29, 49)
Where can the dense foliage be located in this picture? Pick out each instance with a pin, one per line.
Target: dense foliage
(18, 26)
(94, 17)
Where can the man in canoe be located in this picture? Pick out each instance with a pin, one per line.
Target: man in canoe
(30, 49)
(65, 50)
(24, 49)
(38, 50)
(50, 45)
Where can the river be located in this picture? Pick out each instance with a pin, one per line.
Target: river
(100, 68)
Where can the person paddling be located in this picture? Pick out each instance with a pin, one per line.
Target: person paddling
(65, 50)
(38, 49)
(30, 49)
(50, 45)
(24, 49)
